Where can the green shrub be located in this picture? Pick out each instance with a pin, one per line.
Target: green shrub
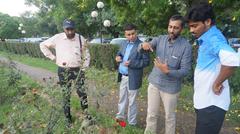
(234, 81)
(103, 56)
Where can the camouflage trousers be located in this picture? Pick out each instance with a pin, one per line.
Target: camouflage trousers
(72, 78)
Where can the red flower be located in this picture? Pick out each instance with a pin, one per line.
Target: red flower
(122, 123)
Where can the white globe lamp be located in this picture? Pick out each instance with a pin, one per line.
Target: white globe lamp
(100, 4)
(107, 23)
(94, 14)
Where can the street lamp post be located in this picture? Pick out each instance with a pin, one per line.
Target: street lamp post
(107, 23)
(100, 6)
(94, 14)
(20, 28)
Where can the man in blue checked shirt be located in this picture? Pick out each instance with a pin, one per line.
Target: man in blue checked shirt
(172, 64)
(215, 64)
(132, 61)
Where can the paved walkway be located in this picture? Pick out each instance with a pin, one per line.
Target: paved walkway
(37, 74)
(108, 103)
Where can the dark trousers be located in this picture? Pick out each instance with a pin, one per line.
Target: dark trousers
(209, 120)
(66, 77)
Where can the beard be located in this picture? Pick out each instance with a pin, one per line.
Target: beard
(173, 36)
(70, 36)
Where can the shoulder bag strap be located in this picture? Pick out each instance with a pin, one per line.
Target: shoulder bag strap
(80, 42)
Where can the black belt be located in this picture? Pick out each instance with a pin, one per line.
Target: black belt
(125, 74)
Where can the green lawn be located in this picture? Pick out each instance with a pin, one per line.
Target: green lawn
(36, 62)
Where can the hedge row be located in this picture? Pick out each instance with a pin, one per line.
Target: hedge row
(22, 49)
(103, 56)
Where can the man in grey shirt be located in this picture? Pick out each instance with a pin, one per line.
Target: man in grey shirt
(173, 62)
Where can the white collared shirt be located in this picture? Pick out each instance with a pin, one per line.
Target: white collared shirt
(68, 52)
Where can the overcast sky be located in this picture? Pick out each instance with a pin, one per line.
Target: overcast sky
(14, 7)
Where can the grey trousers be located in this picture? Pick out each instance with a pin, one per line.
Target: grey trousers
(127, 96)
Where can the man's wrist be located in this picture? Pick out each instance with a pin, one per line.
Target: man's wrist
(53, 58)
(167, 72)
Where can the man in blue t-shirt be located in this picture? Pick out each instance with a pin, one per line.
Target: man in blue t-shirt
(215, 64)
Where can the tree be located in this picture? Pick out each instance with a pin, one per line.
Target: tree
(8, 27)
(151, 16)
(228, 16)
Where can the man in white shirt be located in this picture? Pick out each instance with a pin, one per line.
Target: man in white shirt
(216, 62)
(72, 57)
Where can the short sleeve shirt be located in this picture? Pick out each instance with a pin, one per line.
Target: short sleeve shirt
(213, 52)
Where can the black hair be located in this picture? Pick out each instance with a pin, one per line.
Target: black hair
(178, 17)
(129, 27)
(200, 12)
